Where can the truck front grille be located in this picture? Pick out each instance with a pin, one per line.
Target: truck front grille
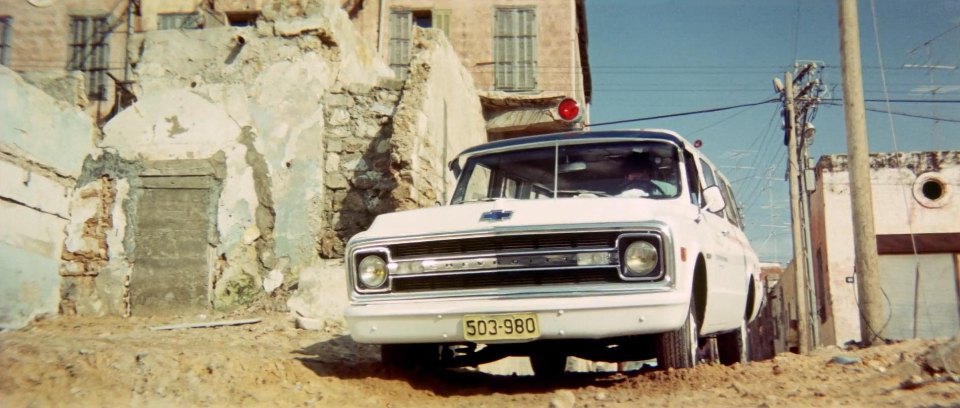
(502, 279)
(505, 244)
(533, 260)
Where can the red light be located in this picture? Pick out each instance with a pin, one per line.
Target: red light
(569, 110)
(697, 143)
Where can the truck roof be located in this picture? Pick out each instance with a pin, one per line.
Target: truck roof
(577, 136)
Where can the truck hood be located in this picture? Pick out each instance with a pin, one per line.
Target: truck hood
(507, 215)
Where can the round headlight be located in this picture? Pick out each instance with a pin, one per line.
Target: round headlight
(372, 271)
(640, 258)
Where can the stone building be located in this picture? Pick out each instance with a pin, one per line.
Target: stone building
(917, 221)
(249, 157)
(524, 57)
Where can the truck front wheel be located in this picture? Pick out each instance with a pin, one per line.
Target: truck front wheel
(678, 348)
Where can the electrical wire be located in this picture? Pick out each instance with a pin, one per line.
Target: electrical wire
(899, 100)
(673, 115)
(937, 37)
(910, 115)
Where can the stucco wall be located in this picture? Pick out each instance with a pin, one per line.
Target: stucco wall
(897, 210)
(41, 151)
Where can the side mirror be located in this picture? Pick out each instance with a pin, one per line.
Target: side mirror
(713, 199)
(454, 167)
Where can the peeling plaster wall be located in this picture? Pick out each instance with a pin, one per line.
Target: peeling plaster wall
(41, 151)
(313, 138)
(260, 98)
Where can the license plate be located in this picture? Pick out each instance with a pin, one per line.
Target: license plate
(515, 326)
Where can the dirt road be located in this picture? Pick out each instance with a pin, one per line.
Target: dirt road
(121, 362)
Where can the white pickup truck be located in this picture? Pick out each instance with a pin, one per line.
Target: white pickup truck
(605, 245)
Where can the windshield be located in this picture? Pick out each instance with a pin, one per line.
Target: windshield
(646, 169)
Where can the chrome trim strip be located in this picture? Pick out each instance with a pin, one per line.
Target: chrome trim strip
(498, 271)
(515, 231)
(519, 293)
(475, 255)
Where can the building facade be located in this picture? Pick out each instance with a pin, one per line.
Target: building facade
(917, 221)
(524, 57)
(43, 39)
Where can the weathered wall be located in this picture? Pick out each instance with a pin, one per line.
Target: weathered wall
(259, 105)
(471, 33)
(41, 38)
(302, 137)
(425, 138)
(401, 165)
(898, 209)
(41, 151)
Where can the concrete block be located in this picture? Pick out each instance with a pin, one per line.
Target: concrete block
(322, 292)
(307, 323)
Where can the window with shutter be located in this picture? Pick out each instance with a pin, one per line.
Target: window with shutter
(401, 26)
(90, 52)
(515, 49)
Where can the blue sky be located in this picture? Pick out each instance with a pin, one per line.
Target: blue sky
(658, 57)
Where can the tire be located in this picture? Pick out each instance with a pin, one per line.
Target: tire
(548, 364)
(678, 348)
(733, 346)
(410, 356)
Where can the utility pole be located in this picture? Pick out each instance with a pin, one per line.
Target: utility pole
(800, 93)
(861, 192)
(793, 174)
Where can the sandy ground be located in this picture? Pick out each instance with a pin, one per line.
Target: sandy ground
(72, 361)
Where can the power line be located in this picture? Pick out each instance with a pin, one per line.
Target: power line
(899, 100)
(937, 37)
(673, 115)
(909, 115)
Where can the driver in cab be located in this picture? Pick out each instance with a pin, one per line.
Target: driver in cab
(638, 170)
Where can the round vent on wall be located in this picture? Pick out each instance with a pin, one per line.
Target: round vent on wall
(931, 191)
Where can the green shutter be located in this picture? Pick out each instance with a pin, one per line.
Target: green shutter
(515, 49)
(401, 26)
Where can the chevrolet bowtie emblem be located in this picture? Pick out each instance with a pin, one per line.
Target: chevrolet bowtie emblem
(496, 215)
